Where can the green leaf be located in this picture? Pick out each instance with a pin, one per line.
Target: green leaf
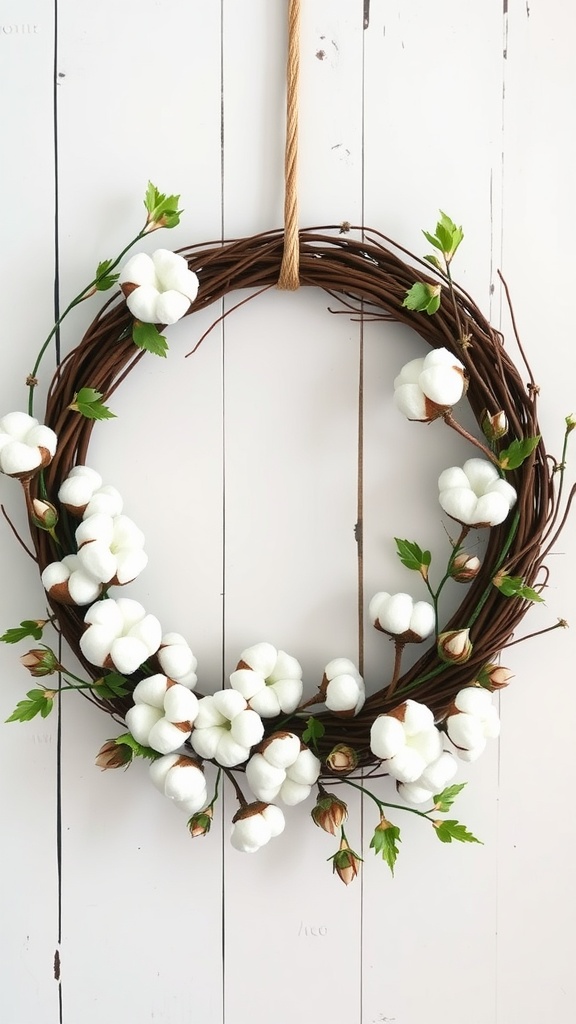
(449, 830)
(424, 298)
(314, 731)
(413, 557)
(384, 842)
(148, 336)
(104, 280)
(513, 456)
(137, 749)
(162, 210)
(29, 627)
(447, 238)
(434, 261)
(88, 403)
(37, 704)
(111, 685)
(443, 801)
(514, 586)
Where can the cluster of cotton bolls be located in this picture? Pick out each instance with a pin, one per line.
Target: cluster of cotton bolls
(110, 547)
(411, 746)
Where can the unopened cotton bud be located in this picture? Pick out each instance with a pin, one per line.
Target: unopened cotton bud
(455, 646)
(329, 813)
(342, 759)
(40, 662)
(570, 423)
(45, 514)
(346, 863)
(113, 754)
(495, 426)
(465, 567)
(494, 677)
(201, 823)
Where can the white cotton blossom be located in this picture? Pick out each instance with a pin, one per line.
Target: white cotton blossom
(255, 825)
(181, 779)
(83, 494)
(401, 617)
(406, 741)
(425, 388)
(270, 680)
(471, 720)
(163, 713)
(67, 582)
(25, 444)
(177, 660)
(433, 780)
(284, 768)
(120, 634)
(226, 728)
(343, 687)
(476, 495)
(110, 548)
(160, 288)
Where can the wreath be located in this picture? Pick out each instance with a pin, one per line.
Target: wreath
(258, 731)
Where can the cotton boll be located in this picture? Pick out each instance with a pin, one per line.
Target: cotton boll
(261, 658)
(95, 644)
(428, 743)
(410, 372)
(105, 501)
(459, 503)
(205, 741)
(177, 660)
(344, 693)
(166, 737)
(208, 714)
(180, 704)
(286, 667)
(171, 306)
(293, 793)
(288, 693)
(475, 700)
(274, 819)
(414, 792)
(423, 619)
(406, 766)
(247, 682)
(128, 653)
(266, 703)
(305, 770)
(247, 728)
(229, 752)
(410, 400)
(439, 773)
(151, 690)
(229, 703)
(140, 719)
(417, 717)
(159, 769)
(263, 777)
(282, 750)
(185, 781)
(250, 834)
(465, 731)
(453, 477)
(387, 737)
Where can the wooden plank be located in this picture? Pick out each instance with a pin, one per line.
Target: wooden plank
(291, 386)
(28, 882)
(425, 70)
(153, 87)
(537, 832)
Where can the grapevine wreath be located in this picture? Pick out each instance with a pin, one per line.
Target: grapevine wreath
(259, 731)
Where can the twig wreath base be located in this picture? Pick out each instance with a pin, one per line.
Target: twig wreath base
(369, 278)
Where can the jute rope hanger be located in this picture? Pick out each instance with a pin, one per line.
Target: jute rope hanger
(289, 278)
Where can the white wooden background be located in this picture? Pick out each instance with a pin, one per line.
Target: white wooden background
(467, 106)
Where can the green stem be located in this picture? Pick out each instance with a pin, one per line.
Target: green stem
(454, 303)
(84, 294)
(382, 803)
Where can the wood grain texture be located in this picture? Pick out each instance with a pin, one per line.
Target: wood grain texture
(240, 464)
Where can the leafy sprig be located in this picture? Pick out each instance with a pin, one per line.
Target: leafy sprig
(28, 628)
(413, 557)
(517, 452)
(88, 402)
(514, 586)
(147, 336)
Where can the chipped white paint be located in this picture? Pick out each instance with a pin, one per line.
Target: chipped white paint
(420, 110)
